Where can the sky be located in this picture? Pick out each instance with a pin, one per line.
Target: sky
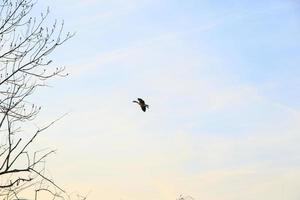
(222, 82)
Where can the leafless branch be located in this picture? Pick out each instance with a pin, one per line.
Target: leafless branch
(26, 44)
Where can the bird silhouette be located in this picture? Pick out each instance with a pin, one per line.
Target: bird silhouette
(142, 103)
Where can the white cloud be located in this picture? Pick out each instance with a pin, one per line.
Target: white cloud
(207, 133)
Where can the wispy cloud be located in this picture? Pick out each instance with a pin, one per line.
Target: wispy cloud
(209, 132)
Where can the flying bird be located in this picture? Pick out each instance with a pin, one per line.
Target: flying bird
(142, 103)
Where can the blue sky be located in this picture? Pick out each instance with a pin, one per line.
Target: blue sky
(222, 81)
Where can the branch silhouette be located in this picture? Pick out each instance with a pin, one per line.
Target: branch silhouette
(26, 44)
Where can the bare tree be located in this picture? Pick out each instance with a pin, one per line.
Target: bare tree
(25, 45)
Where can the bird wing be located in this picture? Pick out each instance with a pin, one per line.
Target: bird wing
(143, 108)
(141, 101)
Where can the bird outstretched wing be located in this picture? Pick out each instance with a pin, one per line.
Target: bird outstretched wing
(141, 101)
